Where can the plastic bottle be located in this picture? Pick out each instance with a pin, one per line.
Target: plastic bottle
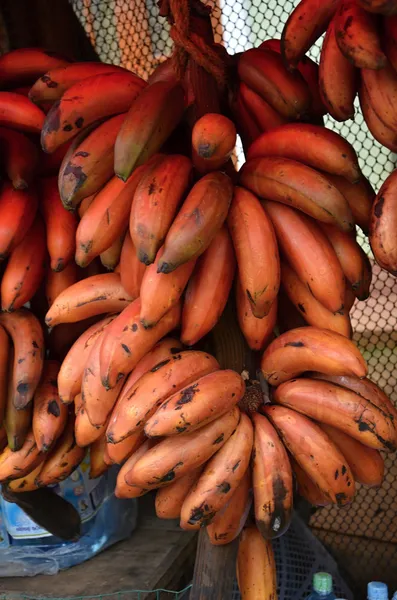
(377, 590)
(322, 587)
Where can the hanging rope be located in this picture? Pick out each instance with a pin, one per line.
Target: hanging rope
(189, 44)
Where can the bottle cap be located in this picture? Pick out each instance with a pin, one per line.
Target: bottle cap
(322, 583)
(377, 591)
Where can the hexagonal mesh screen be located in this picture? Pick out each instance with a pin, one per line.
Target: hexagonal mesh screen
(130, 33)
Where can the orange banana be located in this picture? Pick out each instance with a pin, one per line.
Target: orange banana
(313, 312)
(385, 135)
(118, 453)
(49, 414)
(25, 268)
(220, 478)
(141, 398)
(354, 262)
(86, 102)
(26, 483)
(294, 184)
(316, 454)
(272, 480)
(229, 520)
(110, 258)
(263, 71)
(359, 196)
(302, 349)
(367, 464)
(91, 296)
(86, 433)
(307, 488)
(208, 288)
(19, 157)
(312, 145)
(17, 212)
(383, 225)
(26, 64)
(64, 458)
(309, 253)
(160, 292)
(98, 465)
(341, 408)
(257, 332)
(172, 458)
(199, 219)
(123, 490)
(5, 361)
(169, 500)
(256, 250)
(264, 115)
(161, 351)
(131, 269)
(106, 218)
(127, 341)
(381, 90)
(156, 200)
(213, 141)
(256, 567)
(197, 404)
(357, 36)
(17, 423)
(28, 340)
(14, 465)
(90, 165)
(58, 281)
(18, 112)
(338, 78)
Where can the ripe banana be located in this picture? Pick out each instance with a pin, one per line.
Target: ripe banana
(309, 253)
(118, 453)
(229, 520)
(63, 459)
(156, 200)
(341, 408)
(58, 281)
(313, 312)
(264, 115)
(17, 212)
(106, 218)
(367, 464)
(338, 78)
(290, 182)
(151, 119)
(354, 262)
(53, 84)
(26, 334)
(256, 567)
(17, 423)
(220, 478)
(161, 351)
(197, 404)
(18, 112)
(381, 90)
(201, 216)
(272, 480)
(110, 258)
(126, 341)
(169, 499)
(172, 458)
(213, 140)
(255, 244)
(257, 332)
(85, 432)
(383, 134)
(141, 398)
(357, 36)
(312, 145)
(19, 157)
(359, 196)
(71, 371)
(49, 413)
(26, 64)
(307, 488)
(26, 483)
(14, 465)
(208, 288)
(264, 72)
(295, 351)
(86, 102)
(98, 465)
(132, 269)
(315, 453)
(5, 361)
(382, 227)
(123, 490)
(25, 268)
(160, 292)
(89, 297)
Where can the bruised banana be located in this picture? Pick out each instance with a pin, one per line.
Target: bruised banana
(49, 413)
(256, 566)
(315, 453)
(272, 480)
(17, 423)
(295, 351)
(383, 223)
(257, 332)
(220, 478)
(255, 245)
(150, 120)
(14, 465)
(5, 365)
(169, 499)
(341, 408)
(27, 483)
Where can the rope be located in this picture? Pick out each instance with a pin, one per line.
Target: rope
(189, 44)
